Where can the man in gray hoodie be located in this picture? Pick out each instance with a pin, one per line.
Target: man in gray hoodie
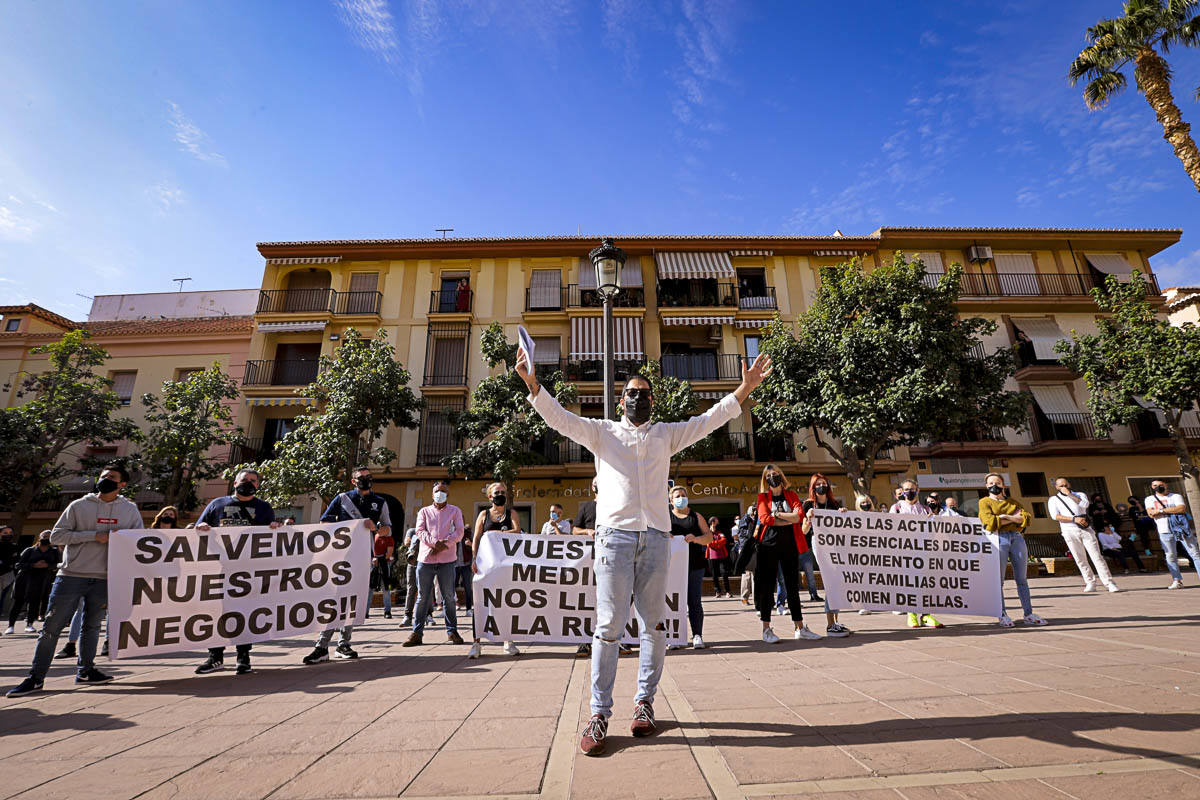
(83, 531)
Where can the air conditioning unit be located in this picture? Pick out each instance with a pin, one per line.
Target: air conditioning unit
(978, 252)
(714, 333)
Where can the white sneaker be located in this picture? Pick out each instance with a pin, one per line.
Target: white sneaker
(476, 650)
(1089, 587)
(1034, 619)
(698, 642)
(8, 631)
(864, 611)
(676, 646)
(30, 629)
(769, 637)
(804, 633)
(1174, 585)
(510, 649)
(1112, 587)
(1005, 621)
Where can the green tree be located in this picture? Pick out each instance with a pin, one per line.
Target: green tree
(500, 424)
(71, 406)
(187, 423)
(882, 359)
(1148, 27)
(360, 391)
(1138, 354)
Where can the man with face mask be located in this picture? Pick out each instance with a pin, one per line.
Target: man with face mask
(440, 527)
(633, 528)
(82, 530)
(556, 523)
(239, 510)
(358, 503)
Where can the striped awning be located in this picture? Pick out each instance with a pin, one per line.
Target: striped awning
(710, 395)
(1056, 402)
(835, 253)
(1112, 264)
(707, 320)
(689, 266)
(283, 327)
(1043, 332)
(587, 338)
(750, 253)
(280, 401)
(751, 323)
(596, 399)
(306, 260)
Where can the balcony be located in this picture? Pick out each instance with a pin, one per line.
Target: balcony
(1148, 429)
(545, 299)
(696, 294)
(774, 449)
(702, 366)
(733, 446)
(328, 301)
(441, 375)
(1032, 284)
(250, 451)
(592, 370)
(1064, 428)
(757, 299)
(280, 373)
(451, 301)
(583, 297)
(563, 451)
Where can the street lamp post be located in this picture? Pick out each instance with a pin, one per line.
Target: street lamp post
(608, 260)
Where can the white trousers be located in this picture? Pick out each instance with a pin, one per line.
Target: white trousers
(1080, 542)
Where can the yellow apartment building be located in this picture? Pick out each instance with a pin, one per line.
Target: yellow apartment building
(695, 304)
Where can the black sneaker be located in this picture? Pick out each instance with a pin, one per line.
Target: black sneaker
(210, 665)
(318, 655)
(68, 651)
(244, 668)
(387, 615)
(27, 686)
(92, 675)
(584, 651)
(344, 651)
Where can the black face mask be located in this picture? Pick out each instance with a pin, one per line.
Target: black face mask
(995, 490)
(106, 485)
(820, 488)
(1161, 490)
(499, 500)
(909, 495)
(637, 409)
(167, 522)
(362, 483)
(775, 480)
(246, 489)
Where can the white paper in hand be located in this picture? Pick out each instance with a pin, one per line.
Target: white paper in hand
(525, 344)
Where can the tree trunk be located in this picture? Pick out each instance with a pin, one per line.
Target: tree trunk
(1187, 470)
(1154, 81)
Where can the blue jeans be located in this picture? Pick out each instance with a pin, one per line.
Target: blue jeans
(64, 598)
(444, 573)
(466, 576)
(1168, 540)
(808, 563)
(694, 601)
(1012, 547)
(629, 563)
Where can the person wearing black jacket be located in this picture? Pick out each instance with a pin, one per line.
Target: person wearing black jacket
(35, 571)
(9, 553)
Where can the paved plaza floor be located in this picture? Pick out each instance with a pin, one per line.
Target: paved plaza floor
(1102, 703)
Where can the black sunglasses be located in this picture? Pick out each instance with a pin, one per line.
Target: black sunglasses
(636, 393)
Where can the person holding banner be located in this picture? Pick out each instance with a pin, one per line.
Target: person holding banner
(238, 510)
(633, 459)
(695, 531)
(497, 517)
(82, 530)
(820, 495)
(908, 491)
(439, 529)
(779, 545)
(1006, 520)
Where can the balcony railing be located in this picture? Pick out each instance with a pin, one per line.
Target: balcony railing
(1031, 284)
(702, 366)
(451, 301)
(250, 451)
(696, 293)
(546, 299)
(758, 298)
(562, 451)
(593, 370)
(280, 373)
(275, 301)
(734, 446)
(1064, 428)
(774, 449)
(583, 297)
(445, 376)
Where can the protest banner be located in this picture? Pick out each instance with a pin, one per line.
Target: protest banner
(900, 562)
(535, 588)
(178, 590)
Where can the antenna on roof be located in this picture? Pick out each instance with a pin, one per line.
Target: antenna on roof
(85, 296)
(180, 282)
(444, 231)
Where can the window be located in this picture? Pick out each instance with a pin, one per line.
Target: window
(547, 350)
(183, 373)
(545, 290)
(1091, 486)
(1039, 511)
(364, 281)
(958, 466)
(1032, 484)
(274, 430)
(438, 437)
(12, 324)
(102, 453)
(363, 297)
(123, 385)
(752, 343)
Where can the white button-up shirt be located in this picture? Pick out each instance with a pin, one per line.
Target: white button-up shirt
(633, 461)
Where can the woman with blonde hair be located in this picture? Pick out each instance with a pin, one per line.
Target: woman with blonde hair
(779, 543)
(1006, 521)
(167, 517)
(496, 517)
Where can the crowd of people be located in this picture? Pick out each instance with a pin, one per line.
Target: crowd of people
(62, 579)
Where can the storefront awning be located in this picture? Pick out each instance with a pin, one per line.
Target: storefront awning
(1112, 264)
(587, 338)
(1056, 402)
(706, 320)
(306, 260)
(694, 266)
(286, 327)
(280, 401)
(1043, 332)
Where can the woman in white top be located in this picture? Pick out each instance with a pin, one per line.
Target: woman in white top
(499, 517)
(1070, 509)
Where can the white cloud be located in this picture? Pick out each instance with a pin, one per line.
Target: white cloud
(165, 195)
(1183, 271)
(191, 138)
(1028, 198)
(13, 227)
(930, 39)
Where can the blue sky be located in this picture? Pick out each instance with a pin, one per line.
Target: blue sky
(140, 142)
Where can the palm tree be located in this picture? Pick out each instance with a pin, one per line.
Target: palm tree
(1114, 43)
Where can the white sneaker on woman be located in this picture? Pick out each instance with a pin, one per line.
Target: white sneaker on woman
(1174, 585)
(1089, 587)
(1005, 621)
(1112, 587)
(476, 650)
(698, 642)
(804, 633)
(769, 637)
(1034, 619)
(510, 649)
